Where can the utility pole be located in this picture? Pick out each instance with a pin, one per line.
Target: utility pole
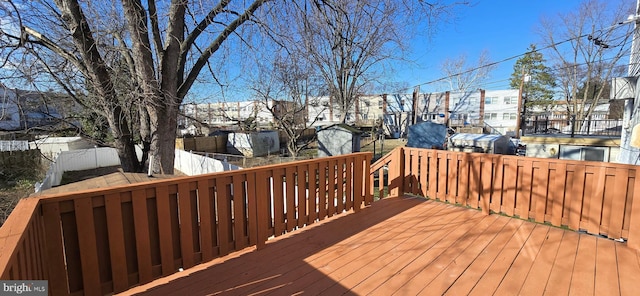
(414, 105)
(520, 116)
(482, 102)
(446, 109)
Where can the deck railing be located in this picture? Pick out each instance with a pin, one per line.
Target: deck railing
(596, 197)
(104, 241)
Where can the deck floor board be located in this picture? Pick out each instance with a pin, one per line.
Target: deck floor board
(411, 246)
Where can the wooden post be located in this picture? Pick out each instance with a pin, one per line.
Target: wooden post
(481, 121)
(357, 110)
(446, 108)
(519, 116)
(384, 104)
(414, 106)
(396, 173)
(634, 227)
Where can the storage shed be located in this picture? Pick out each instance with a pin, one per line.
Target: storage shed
(253, 144)
(427, 135)
(496, 144)
(338, 139)
(51, 146)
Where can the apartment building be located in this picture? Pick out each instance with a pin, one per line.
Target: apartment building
(495, 108)
(225, 113)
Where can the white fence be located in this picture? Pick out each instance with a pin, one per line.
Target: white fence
(192, 164)
(85, 159)
(78, 160)
(14, 145)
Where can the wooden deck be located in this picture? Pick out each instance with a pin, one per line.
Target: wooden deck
(412, 246)
(117, 178)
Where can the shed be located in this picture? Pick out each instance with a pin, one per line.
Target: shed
(253, 144)
(426, 135)
(486, 143)
(338, 139)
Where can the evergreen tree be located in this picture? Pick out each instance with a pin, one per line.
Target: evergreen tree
(536, 79)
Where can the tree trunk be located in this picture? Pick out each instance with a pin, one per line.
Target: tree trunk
(163, 121)
(127, 154)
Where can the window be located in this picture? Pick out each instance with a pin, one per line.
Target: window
(509, 116)
(511, 100)
(584, 153)
(490, 100)
(491, 116)
(379, 104)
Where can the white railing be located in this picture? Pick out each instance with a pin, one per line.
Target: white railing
(192, 164)
(14, 145)
(77, 160)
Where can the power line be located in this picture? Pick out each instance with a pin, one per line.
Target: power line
(552, 69)
(514, 57)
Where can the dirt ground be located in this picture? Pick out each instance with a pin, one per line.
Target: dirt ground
(386, 145)
(9, 197)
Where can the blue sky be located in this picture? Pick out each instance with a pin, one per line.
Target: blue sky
(505, 28)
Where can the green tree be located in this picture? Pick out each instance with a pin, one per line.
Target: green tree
(535, 78)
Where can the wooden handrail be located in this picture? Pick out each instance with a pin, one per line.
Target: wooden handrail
(112, 239)
(596, 197)
(123, 236)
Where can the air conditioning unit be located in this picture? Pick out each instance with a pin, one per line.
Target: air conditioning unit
(623, 88)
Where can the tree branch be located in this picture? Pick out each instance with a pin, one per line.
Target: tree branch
(155, 29)
(215, 45)
(46, 42)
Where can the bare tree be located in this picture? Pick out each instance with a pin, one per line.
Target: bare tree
(586, 46)
(286, 86)
(145, 55)
(351, 42)
(463, 75)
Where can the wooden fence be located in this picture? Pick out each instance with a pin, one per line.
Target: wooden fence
(213, 144)
(104, 241)
(595, 197)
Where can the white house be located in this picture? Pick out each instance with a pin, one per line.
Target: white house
(9, 109)
(21, 109)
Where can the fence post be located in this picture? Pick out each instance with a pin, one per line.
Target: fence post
(396, 173)
(634, 227)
